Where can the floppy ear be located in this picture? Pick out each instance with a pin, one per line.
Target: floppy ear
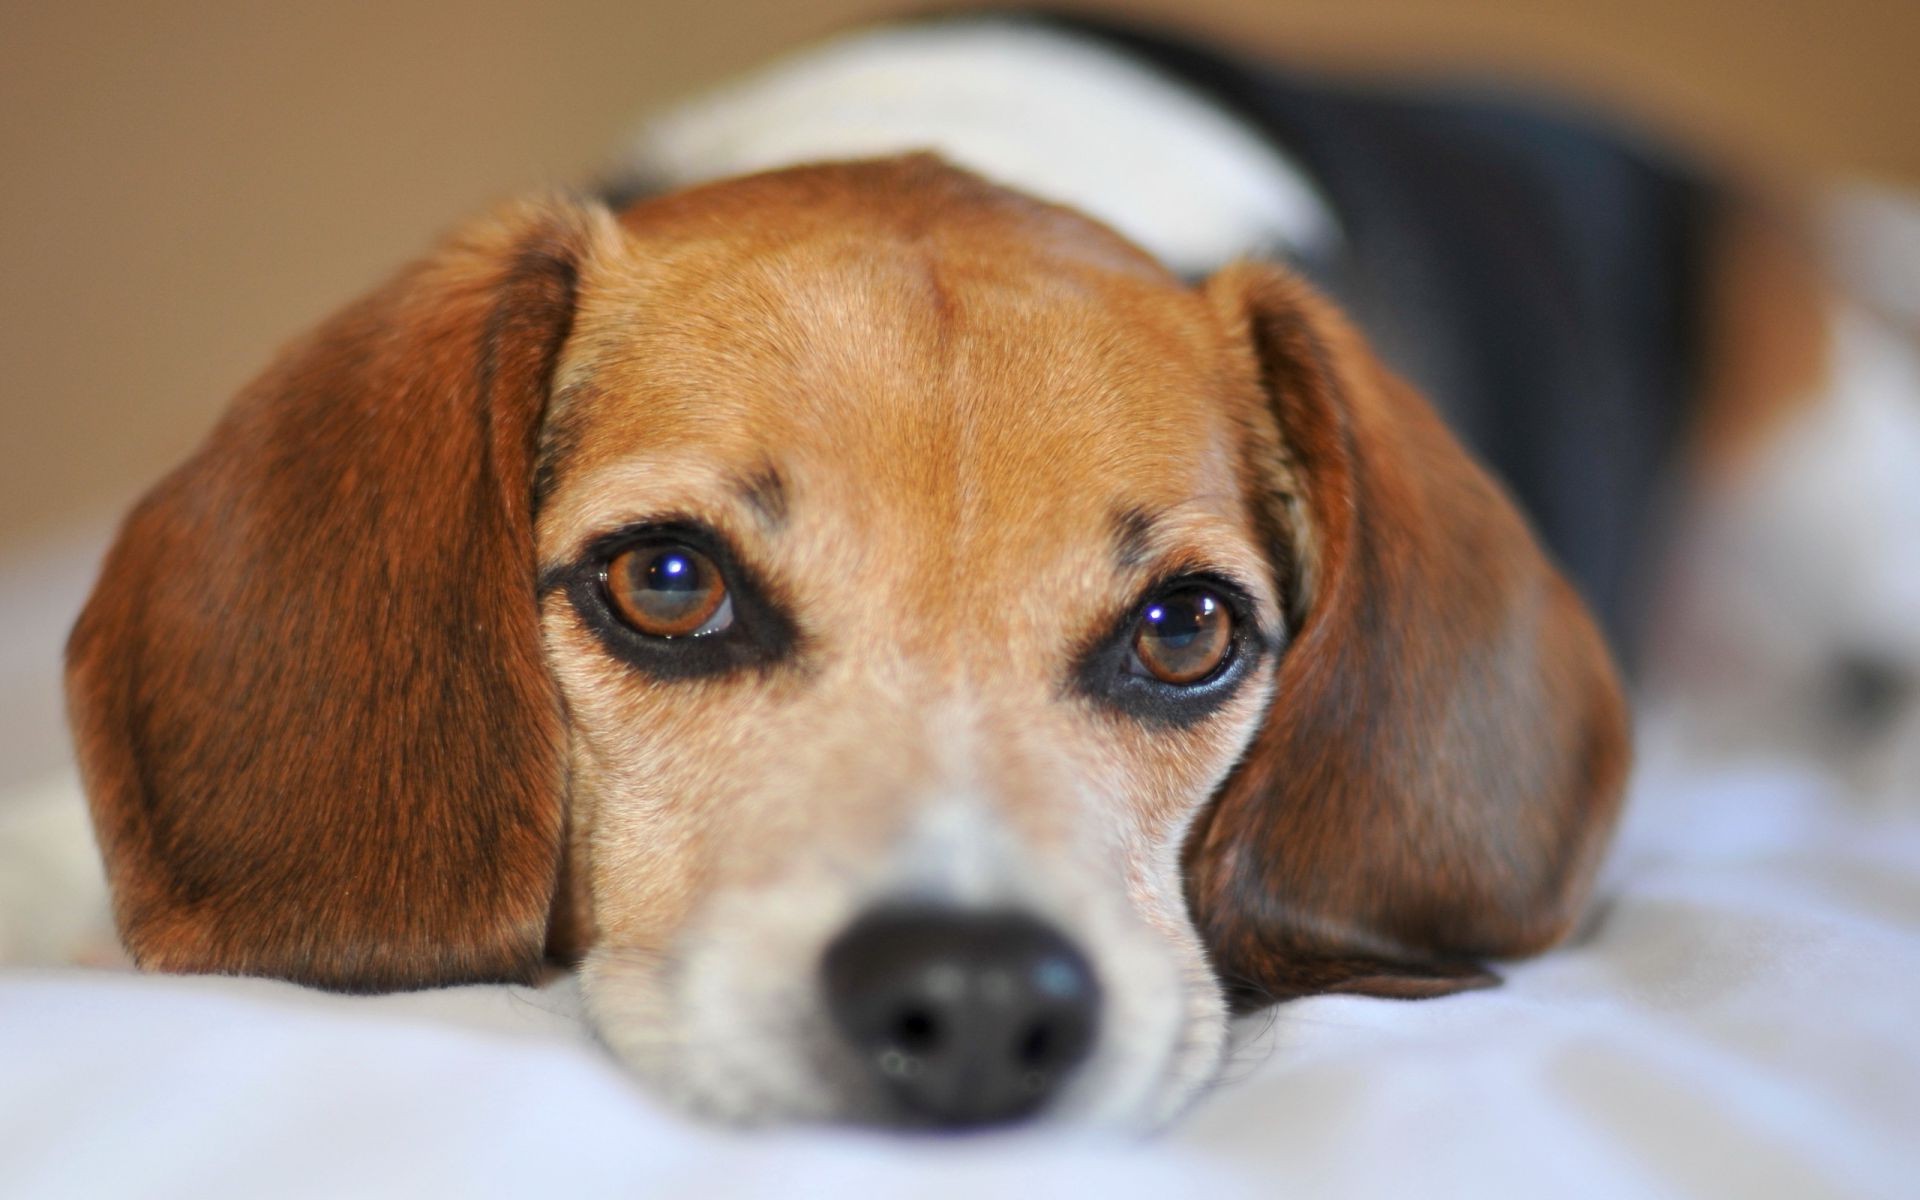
(315, 725)
(1445, 752)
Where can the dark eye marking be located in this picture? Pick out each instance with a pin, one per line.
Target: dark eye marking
(1179, 652)
(765, 491)
(673, 598)
(1132, 537)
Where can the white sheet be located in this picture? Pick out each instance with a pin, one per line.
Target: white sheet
(1742, 1019)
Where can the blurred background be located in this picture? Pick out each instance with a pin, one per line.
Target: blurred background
(190, 184)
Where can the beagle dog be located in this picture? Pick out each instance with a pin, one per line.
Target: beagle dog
(924, 655)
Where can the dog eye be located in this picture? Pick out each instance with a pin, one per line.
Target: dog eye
(668, 591)
(1183, 636)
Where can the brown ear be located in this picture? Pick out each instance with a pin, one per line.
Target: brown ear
(311, 711)
(1447, 744)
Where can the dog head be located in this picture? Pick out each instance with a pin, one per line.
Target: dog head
(922, 658)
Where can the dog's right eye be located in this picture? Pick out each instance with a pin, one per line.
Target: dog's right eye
(675, 600)
(667, 590)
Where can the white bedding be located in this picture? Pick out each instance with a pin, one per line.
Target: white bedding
(1741, 1019)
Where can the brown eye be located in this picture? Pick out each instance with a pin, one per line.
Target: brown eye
(1183, 636)
(668, 591)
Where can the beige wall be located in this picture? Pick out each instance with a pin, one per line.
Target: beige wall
(189, 183)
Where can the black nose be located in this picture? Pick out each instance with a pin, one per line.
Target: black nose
(966, 1018)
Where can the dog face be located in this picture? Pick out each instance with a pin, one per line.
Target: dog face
(923, 658)
(940, 479)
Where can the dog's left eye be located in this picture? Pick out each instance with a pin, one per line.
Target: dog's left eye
(1183, 636)
(1180, 653)
(667, 590)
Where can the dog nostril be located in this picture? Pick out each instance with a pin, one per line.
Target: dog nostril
(963, 1018)
(916, 1032)
(1036, 1048)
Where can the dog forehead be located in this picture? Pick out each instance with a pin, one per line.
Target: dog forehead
(968, 340)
